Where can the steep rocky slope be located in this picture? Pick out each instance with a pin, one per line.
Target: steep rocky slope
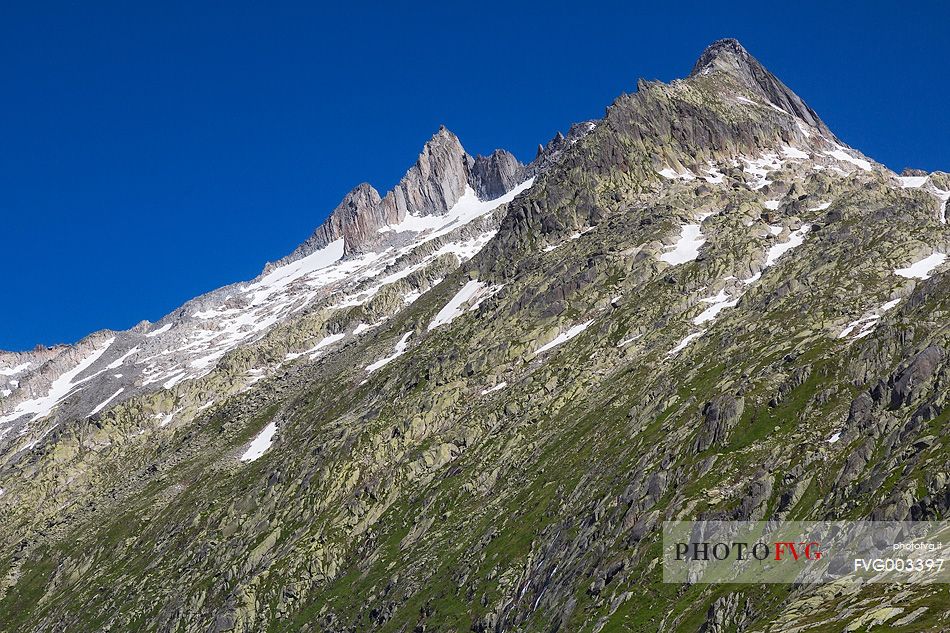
(369, 252)
(468, 404)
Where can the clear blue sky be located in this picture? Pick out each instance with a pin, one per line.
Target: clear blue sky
(153, 151)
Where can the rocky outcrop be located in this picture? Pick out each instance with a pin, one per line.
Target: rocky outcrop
(729, 56)
(495, 175)
(720, 415)
(434, 183)
(550, 154)
(908, 383)
(356, 215)
(432, 186)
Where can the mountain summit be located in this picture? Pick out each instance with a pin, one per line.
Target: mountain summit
(470, 404)
(729, 56)
(441, 176)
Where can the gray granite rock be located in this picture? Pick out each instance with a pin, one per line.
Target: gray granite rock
(728, 55)
(434, 183)
(495, 175)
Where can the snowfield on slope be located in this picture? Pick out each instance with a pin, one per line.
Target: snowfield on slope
(686, 248)
(453, 308)
(59, 390)
(260, 443)
(467, 209)
(922, 269)
(191, 342)
(689, 338)
(718, 303)
(401, 346)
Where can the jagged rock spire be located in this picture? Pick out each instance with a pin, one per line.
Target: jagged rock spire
(432, 186)
(434, 183)
(729, 56)
(495, 175)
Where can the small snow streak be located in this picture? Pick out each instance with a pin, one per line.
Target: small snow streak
(683, 343)
(497, 387)
(398, 351)
(564, 337)
(102, 405)
(718, 303)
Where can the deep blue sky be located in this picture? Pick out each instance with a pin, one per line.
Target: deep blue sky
(153, 151)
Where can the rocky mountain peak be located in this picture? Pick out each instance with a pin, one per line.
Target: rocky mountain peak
(728, 56)
(702, 308)
(725, 54)
(434, 183)
(495, 175)
(438, 179)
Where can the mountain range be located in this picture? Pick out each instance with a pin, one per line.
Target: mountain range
(468, 404)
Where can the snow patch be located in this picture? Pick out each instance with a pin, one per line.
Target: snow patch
(715, 176)
(468, 208)
(12, 371)
(160, 330)
(628, 340)
(102, 405)
(912, 182)
(841, 155)
(670, 174)
(795, 239)
(315, 350)
(281, 277)
(793, 152)
(758, 169)
(865, 325)
(564, 337)
(687, 246)
(398, 351)
(261, 443)
(718, 303)
(684, 342)
(922, 269)
(944, 197)
(469, 292)
(497, 387)
(174, 380)
(61, 388)
(118, 362)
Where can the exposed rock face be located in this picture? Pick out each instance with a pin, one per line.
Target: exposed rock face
(432, 186)
(729, 56)
(435, 182)
(356, 219)
(495, 175)
(551, 153)
(720, 415)
(916, 375)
